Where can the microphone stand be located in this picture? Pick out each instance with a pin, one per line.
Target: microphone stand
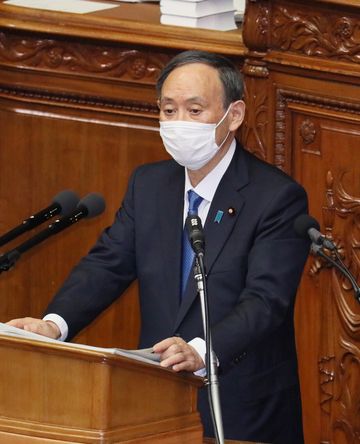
(338, 263)
(211, 360)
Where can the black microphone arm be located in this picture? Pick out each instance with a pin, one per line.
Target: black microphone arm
(339, 264)
(91, 205)
(63, 203)
(306, 226)
(197, 241)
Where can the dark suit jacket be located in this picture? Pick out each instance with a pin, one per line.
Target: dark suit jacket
(254, 262)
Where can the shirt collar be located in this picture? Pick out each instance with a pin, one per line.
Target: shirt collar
(207, 187)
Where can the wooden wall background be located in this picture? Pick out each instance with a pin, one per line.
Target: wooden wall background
(77, 110)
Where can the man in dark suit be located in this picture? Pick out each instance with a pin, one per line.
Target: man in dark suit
(253, 258)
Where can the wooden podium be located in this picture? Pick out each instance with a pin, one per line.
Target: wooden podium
(53, 393)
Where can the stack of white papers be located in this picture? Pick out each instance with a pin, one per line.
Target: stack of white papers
(143, 355)
(207, 14)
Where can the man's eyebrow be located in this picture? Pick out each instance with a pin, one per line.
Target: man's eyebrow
(165, 100)
(195, 99)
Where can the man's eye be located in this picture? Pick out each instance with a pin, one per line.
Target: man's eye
(195, 111)
(168, 111)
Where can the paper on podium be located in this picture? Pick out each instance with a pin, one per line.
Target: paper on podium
(143, 355)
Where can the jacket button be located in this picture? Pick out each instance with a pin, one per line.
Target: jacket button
(239, 358)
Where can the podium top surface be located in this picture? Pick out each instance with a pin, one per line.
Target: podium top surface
(95, 355)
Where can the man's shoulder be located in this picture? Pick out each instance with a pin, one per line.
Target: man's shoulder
(261, 170)
(156, 174)
(160, 167)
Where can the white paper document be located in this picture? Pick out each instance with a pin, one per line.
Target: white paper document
(143, 355)
(73, 6)
(137, 1)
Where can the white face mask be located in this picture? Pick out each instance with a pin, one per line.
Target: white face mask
(191, 144)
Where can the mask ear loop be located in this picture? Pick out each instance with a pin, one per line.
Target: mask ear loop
(218, 124)
(224, 116)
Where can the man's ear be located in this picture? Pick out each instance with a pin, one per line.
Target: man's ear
(237, 114)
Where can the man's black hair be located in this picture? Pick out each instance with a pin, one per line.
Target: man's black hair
(230, 77)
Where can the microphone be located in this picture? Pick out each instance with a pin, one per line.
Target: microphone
(63, 203)
(90, 206)
(306, 226)
(196, 235)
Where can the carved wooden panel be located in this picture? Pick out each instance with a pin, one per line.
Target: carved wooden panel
(308, 130)
(255, 133)
(302, 76)
(255, 127)
(305, 29)
(74, 56)
(326, 305)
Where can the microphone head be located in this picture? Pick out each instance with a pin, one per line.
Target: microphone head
(193, 223)
(93, 204)
(195, 232)
(67, 201)
(303, 224)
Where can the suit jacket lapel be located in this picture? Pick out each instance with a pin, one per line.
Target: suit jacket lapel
(230, 202)
(227, 196)
(171, 206)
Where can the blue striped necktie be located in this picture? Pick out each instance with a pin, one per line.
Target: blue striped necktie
(187, 251)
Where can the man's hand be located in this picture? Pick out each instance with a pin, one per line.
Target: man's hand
(45, 328)
(179, 355)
